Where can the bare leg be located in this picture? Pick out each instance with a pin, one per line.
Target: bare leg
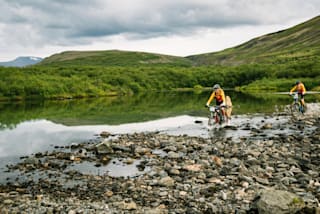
(224, 114)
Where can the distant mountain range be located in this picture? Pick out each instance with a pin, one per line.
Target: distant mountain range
(22, 61)
(295, 44)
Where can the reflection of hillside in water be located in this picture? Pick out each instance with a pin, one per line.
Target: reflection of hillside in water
(265, 102)
(137, 108)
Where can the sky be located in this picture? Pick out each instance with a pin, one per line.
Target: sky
(42, 28)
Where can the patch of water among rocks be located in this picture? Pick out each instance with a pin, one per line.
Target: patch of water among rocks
(156, 172)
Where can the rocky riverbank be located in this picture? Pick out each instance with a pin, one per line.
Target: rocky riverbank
(176, 174)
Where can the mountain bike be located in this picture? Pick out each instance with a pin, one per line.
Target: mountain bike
(297, 107)
(216, 115)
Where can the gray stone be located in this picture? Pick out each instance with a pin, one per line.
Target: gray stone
(104, 148)
(277, 201)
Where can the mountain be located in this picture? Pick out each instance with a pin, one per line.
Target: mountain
(112, 58)
(301, 42)
(21, 61)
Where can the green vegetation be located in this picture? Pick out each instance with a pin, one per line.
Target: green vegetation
(137, 108)
(299, 43)
(297, 203)
(96, 81)
(281, 84)
(113, 58)
(271, 62)
(65, 82)
(106, 110)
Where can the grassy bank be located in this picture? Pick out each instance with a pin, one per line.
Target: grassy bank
(56, 82)
(280, 85)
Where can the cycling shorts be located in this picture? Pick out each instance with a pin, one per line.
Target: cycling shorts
(220, 103)
(302, 95)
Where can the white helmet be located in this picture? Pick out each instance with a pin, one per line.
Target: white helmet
(216, 86)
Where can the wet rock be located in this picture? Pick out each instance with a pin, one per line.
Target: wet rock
(174, 172)
(108, 193)
(32, 161)
(267, 126)
(262, 180)
(104, 147)
(217, 161)
(277, 201)
(166, 181)
(178, 174)
(193, 167)
(8, 202)
(173, 155)
(129, 206)
(142, 150)
(105, 134)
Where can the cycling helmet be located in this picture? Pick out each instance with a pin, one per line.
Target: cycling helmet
(216, 86)
(297, 82)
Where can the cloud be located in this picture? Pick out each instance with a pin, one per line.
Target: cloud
(38, 23)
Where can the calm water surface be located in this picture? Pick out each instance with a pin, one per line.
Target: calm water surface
(30, 127)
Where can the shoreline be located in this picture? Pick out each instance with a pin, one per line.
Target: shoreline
(177, 173)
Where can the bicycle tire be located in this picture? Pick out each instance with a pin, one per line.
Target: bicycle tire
(216, 118)
(220, 117)
(295, 110)
(295, 107)
(211, 119)
(301, 108)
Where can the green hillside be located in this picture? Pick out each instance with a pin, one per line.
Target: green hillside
(112, 58)
(272, 62)
(301, 42)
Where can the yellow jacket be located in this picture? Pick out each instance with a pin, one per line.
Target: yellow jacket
(218, 95)
(299, 88)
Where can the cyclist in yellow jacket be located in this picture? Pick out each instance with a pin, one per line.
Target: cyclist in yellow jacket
(218, 95)
(301, 90)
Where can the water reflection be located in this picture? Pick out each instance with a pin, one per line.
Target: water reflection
(138, 108)
(109, 110)
(35, 136)
(37, 126)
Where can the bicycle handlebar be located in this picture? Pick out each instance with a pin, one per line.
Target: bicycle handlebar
(294, 95)
(224, 106)
(216, 108)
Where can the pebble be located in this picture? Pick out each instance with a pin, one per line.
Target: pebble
(197, 175)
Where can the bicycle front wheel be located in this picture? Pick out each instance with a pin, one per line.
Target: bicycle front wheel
(210, 119)
(295, 109)
(220, 117)
(302, 108)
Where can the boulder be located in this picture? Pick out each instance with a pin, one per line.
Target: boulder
(277, 201)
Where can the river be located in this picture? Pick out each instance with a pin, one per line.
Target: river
(37, 126)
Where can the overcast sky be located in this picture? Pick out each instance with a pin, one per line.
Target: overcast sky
(176, 27)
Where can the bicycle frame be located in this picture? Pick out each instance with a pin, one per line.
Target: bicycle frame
(295, 98)
(216, 115)
(296, 106)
